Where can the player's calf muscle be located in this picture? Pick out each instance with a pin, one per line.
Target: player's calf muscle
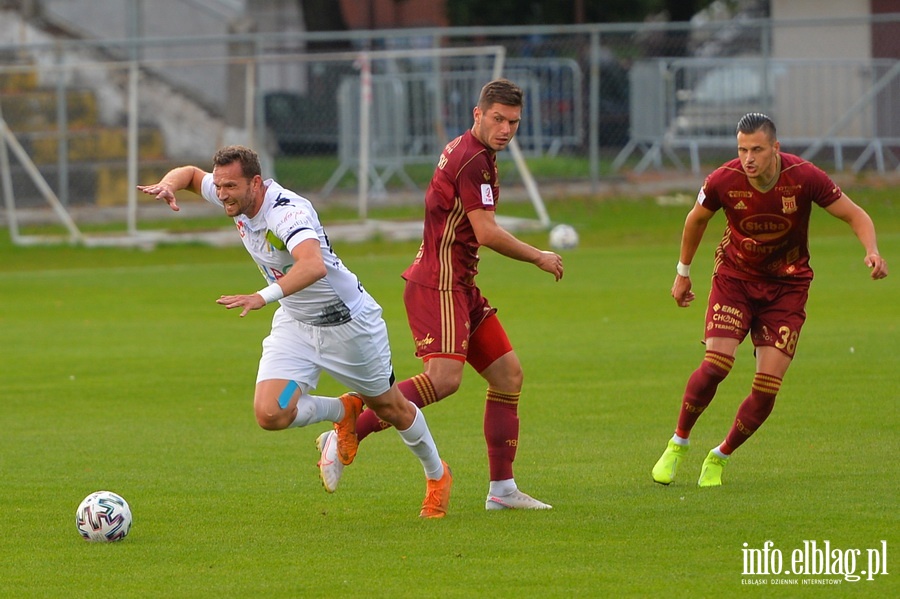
(393, 409)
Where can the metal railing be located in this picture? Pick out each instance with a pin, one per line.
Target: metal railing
(692, 104)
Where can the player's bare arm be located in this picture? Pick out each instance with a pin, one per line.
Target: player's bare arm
(492, 235)
(307, 269)
(864, 229)
(182, 177)
(694, 228)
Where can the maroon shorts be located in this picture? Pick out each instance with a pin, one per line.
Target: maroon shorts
(772, 313)
(460, 325)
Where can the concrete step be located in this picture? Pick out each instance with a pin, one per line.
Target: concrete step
(35, 110)
(96, 144)
(17, 82)
(89, 183)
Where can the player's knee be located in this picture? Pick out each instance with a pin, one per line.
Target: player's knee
(515, 377)
(446, 386)
(271, 421)
(445, 376)
(268, 422)
(509, 379)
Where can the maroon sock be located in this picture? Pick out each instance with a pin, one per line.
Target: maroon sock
(701, 388)
(501, 431)
(418, 390)
(753, 411)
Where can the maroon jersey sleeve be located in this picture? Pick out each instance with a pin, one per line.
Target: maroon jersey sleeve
(812, 181)
(477, 183)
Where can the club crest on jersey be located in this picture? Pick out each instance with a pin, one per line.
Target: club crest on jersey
(788, 204)
(486, 175)
(487, 195)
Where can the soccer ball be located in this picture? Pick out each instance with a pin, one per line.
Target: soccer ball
(563, 237)
(103, 516)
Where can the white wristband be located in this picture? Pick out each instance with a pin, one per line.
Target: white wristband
(683, 270)
(272, 293)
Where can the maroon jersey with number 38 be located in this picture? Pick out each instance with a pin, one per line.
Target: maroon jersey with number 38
(767, 233)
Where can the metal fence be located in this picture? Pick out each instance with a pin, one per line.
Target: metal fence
(95, 117)
(847, 106)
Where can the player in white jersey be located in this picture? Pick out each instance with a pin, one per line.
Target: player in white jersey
(326, 321)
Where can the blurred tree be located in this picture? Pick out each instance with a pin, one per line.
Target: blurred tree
(323, 15)
(680, 11)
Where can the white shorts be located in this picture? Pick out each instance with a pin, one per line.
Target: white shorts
(357, 353)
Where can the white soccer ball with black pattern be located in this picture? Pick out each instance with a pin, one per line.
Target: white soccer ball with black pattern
(563, 237)
(103, 516)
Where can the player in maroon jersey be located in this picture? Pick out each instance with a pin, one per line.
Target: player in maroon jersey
(451, 322)
(760, 280)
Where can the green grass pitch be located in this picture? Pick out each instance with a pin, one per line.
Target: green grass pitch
(120, 372)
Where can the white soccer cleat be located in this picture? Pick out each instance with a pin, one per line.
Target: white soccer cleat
(330, 466)
(517, 500)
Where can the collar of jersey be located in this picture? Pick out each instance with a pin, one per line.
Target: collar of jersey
(258, 222)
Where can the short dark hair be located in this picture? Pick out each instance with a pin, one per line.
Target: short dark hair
(248, 159)
(500, 91)
(756, 121)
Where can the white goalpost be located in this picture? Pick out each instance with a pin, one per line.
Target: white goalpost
(365, 134)
(8, 142)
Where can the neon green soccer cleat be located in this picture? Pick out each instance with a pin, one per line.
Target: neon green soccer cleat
(711, 473)
(667, 465)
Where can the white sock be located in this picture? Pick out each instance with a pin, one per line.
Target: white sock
(719, 453)
(680, 441)
(315, 408)
(502, 488)
(419, 440)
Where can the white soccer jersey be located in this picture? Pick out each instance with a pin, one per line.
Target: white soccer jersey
(285, 220)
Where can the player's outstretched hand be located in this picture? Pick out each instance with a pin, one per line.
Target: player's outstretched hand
(162, 192)
(247, 302)
(550, 262)
(878, 265)
(681, 291)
